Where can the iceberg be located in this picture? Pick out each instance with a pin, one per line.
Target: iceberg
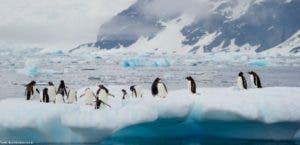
(145, 62)
(258, 63)
(268, 113)
(34, 71)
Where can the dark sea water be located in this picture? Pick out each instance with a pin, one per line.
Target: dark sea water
(192, 141)
(185, 141)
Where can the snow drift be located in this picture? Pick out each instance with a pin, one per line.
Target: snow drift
(268, 113)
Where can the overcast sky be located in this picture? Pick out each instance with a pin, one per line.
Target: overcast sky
(54, 23)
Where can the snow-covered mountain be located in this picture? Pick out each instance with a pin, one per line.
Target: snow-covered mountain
(198, 26)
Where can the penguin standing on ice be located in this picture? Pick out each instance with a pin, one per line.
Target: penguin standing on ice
(62, 89)
(136, 91)
(30, 89)
(45, 95)
(241, 81)
(255, 79)
(89, 96)
(191, 84)
(51, 92)
(103, 93)
(124, 97)
(124, 94)
(159, 88)
(72, 96)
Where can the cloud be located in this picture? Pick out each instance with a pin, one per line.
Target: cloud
(55, 23)
(169, 8)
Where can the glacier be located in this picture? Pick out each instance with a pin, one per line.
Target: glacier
(268, 113)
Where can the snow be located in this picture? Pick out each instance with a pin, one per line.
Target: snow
(245, 110)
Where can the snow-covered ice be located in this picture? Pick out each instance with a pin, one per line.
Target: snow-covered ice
(268, 113)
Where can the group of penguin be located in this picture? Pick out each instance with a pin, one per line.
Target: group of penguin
(158, 89)
(254, 78)
(50, 94)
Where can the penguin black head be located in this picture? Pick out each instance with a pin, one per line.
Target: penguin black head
(131, 88)
(62, 84)
(32, 83)
(251, 72)
(241, 74)
(50, 84)
(157, 80)
(45, 91)
(124, 92)
(189, 78)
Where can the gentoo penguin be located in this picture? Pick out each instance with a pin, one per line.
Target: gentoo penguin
(241, 81)
(191, 84)
(89, 96)
(136, 91)
(51, 92)
(255, 79)
(62, 89)
(99, 102)
(30, 89)
(159, 88)
(72, 96)
(45, 95)
(103, 93)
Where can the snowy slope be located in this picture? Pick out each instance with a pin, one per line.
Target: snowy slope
(219, 26)
(249, 114)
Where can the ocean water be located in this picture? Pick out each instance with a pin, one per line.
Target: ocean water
(183, 141)
(192, 141)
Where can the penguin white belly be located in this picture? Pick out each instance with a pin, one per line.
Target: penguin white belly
(36, 94)
(103, 96)
(138, 90)
(89, 97)
(41, 96)
(252, 80)
(240, 83)
(51, 93)
(189, 85)
(161, 90)
(72, 96)
(59, 99)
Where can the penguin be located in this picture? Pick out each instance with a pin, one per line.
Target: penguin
(51, 91)
(62, 89)
(159, 88)
(136, 91)
(99, 102)
(30, 90)
(59, 99)
(255, 79)
(45, 94)
(103, 93)
(89, 96)
(241, 81)
(72, 96)
(124, 97)
(191, 84)
(124, 94)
